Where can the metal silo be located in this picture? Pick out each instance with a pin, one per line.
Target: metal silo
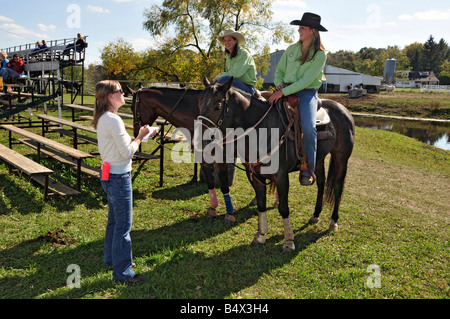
(389, 70)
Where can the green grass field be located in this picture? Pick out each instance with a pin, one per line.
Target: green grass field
(394, 217)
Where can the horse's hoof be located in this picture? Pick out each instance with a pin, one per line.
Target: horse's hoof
(258, 240)
(288, 247)
(211, 213)
(333, 226)
(230, 218)
(313, 220)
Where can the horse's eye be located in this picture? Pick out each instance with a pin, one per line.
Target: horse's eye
(218, 107)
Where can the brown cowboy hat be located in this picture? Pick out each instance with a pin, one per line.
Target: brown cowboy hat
(311, 20)
(231, 33)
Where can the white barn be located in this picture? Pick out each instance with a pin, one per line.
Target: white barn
(339, 80)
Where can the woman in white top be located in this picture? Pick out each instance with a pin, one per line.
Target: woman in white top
(116, 149)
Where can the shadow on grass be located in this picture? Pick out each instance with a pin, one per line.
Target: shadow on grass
(176, 272)
(181, 192)
(18, 197)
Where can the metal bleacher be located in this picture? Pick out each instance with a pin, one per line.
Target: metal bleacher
(45, 73)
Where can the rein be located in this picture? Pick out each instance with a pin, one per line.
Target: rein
(220, 121)
(251, 166)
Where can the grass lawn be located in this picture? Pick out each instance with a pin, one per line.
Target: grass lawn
(394, 217)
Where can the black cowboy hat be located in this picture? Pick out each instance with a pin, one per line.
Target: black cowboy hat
(311, 20)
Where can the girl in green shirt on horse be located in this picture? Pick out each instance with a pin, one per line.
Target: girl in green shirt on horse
(300, 72)
(239, 63)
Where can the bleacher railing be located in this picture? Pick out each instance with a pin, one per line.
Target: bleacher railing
(54, 49)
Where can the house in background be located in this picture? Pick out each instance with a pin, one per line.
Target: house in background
(336, 80)
(416, 79)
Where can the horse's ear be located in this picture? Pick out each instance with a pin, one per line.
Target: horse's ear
(227, 85)
(206, 81)
(133, 92)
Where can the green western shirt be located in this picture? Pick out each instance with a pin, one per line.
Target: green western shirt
(299, 76)
(242, 67)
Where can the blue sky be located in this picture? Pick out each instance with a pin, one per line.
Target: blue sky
(352, 24)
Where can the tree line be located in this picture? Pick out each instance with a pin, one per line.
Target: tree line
(429, 56)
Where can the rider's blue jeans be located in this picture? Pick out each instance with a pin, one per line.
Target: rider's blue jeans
(117, 250)
(308, 100)
(238, 84)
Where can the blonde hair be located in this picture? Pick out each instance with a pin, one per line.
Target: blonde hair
(3, 55)
(102, 90)
(317, 43)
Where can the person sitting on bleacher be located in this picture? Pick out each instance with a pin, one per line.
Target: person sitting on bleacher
(44, 45)
(14, 68)
(3, 60)
(38, 46)
(79, 45)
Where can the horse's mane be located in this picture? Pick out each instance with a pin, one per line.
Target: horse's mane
(250, 100)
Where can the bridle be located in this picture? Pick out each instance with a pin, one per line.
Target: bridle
(222, 116)
(224, 113)
(250, 166)
(138, 108)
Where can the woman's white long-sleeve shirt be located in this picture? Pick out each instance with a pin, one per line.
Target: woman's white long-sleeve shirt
(114, 143)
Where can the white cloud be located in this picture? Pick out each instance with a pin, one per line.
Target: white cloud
(45, 28)
(97, 9)
(405, 17)
(430, 15)
(18, 31)
(367, 26)
(288, 10)
(5, 19)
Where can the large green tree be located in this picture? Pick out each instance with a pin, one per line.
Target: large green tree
(120, 61)
(195, 25)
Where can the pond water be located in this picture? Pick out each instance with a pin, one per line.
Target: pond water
(431, 133)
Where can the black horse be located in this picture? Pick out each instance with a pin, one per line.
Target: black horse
(179, 108)
(226, 107)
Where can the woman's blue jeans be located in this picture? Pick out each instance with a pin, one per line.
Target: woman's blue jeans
(117, 250)
(7, 72)
(238, 84)
(308, 100)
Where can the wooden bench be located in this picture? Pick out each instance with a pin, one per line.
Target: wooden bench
(75, 127)
(90, 118)
(75, 154)
(86, 169)
(91, 109)
(31, 168)
(74, 134)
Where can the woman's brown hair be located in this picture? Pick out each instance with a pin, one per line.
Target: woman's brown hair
(318, 46)
(102, 91)
(235, 50)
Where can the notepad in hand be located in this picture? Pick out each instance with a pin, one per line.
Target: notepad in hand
(153, 130)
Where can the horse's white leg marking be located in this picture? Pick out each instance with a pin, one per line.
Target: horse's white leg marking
(263, 228)
(333, 226)
(288, 235)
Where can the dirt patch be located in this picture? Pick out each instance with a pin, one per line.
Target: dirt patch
(56, 238)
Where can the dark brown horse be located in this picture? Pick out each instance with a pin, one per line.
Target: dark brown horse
(180, 108)
(228, 108)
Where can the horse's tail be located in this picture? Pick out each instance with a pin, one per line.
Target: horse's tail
(334, 186)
